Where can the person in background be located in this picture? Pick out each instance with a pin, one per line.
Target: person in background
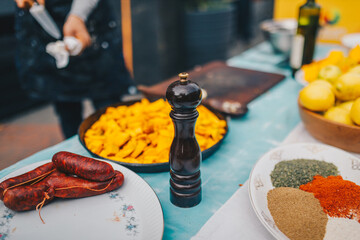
(98, 73)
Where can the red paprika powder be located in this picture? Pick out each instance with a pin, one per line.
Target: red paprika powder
(338, 197)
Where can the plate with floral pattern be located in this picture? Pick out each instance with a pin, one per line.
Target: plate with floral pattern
(260, 181)
(131, 212)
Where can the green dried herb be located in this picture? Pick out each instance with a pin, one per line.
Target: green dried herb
(294, 173)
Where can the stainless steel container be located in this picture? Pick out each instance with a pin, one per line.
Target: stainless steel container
(279, 33)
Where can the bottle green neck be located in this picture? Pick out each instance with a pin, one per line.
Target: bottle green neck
(311, 1)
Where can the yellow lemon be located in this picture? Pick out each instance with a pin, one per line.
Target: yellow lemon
(311, 71)
(330, 73)
(355, 69)
(317, 97)
(355, 112)
(346, 105)
(334, 57)
(347, 86)
(338, 114)
(355, 53)
(325, 83)
(346, 64)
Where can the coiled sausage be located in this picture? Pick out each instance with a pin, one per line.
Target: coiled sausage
(85, 167)
(25, 198)
(26, 178)
(74, 187)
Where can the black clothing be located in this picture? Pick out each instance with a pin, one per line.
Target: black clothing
(98, 72)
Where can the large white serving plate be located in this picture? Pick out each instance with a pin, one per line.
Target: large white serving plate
(351, 40)
(300, 77)
(131, 212)
(260, 181)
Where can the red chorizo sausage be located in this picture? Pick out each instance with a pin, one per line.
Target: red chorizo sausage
(28, 197)
(85, 167)
(27, 178)
(74, 187)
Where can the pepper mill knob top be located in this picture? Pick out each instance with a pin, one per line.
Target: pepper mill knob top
(183, 76)
(184, 94)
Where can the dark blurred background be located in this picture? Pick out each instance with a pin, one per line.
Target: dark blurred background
(176, 35)
(168, 36)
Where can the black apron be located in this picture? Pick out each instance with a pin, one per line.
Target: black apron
(98, 73)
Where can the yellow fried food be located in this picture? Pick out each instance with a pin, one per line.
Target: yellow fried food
(311, 71)
(335, 58)
(143, 132)
(354, 54)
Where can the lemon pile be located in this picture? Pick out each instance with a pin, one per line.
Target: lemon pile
(334, 94)
(333, 66)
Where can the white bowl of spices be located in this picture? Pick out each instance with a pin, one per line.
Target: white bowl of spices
(306, 184)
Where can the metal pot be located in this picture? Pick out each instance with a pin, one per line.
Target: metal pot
(279, 33)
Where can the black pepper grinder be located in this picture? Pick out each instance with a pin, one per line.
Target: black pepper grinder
(185, 154)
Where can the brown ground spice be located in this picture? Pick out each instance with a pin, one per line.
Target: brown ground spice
(298, 214)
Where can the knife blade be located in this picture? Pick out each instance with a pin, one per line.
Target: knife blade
(45, 20)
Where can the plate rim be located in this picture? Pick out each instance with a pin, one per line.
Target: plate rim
(300, 77)
(263, 222)
(41, 162)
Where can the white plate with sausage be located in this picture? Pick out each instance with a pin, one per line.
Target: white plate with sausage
(132, 211)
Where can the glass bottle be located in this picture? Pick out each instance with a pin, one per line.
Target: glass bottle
(304, 41)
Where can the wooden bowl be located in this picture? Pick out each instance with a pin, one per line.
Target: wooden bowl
(335, 134)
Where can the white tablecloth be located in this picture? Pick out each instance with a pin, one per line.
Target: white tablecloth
(236, 219)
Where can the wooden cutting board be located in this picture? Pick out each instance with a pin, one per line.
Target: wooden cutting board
(227, 89)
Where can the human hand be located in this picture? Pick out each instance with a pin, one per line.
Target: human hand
(27, 3)
(75, 27)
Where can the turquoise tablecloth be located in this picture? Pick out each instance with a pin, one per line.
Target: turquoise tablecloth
(269, 120)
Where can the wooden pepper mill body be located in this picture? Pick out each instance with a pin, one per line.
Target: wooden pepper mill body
(185, 154)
